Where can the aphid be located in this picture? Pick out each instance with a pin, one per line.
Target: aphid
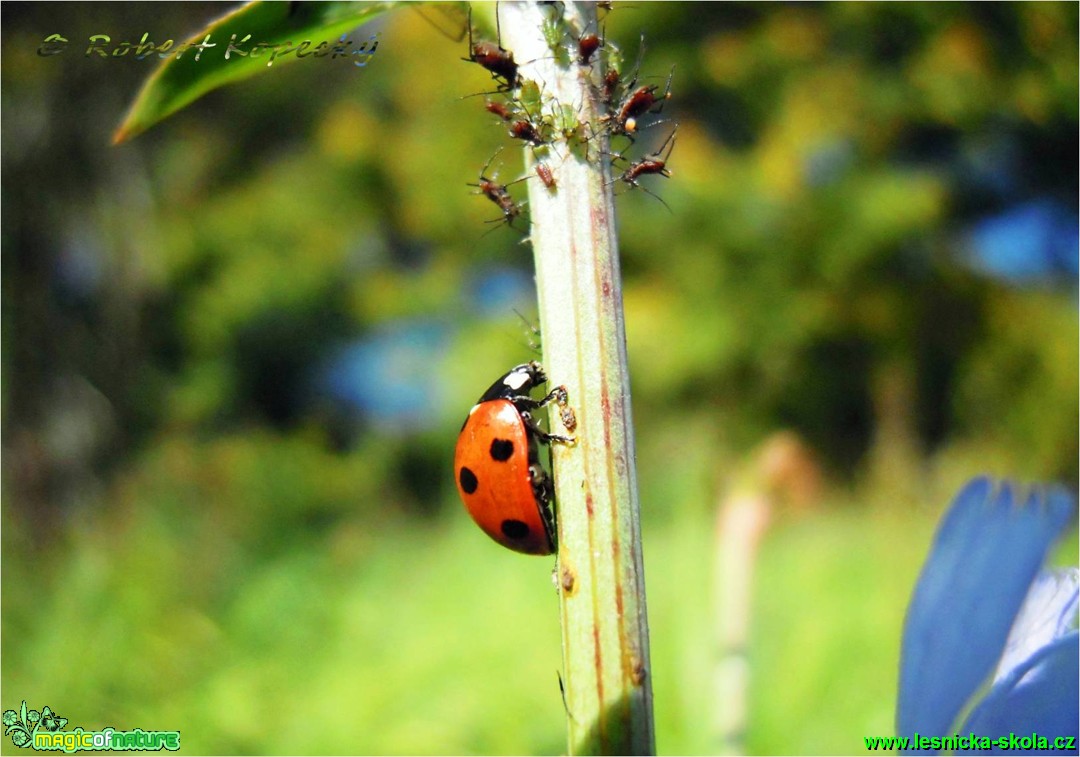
(552, 29)
(535, 131)
(655, 163)
(497, 463)
(543, 170)
(639, 102)
(498, 109)
(498, 194)
(636, 101)
(613, 83)
(493, 56)
(588, 44)
(530, 97)
(528, 132)
(568, 123)
(610, 87)
(613, 62)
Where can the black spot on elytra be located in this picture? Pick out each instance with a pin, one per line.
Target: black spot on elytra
(514, 529)
(468, 480)
(501, 450)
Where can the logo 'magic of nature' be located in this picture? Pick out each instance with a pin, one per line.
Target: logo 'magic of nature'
(44, 731)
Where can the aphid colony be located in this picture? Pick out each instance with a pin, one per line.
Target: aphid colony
(538, 120)
(497, 466)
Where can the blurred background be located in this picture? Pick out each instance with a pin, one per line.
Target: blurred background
(237, 351)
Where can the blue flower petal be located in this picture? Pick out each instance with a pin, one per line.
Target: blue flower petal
(985, 556)
(1039, 696)
(1048, 613)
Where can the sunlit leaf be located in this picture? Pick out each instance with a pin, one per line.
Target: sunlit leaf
(268, 33)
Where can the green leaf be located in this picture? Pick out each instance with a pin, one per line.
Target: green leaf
(179, 81)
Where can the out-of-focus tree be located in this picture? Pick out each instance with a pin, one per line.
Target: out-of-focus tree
(824, 268)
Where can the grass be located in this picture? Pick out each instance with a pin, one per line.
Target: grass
(428, 639)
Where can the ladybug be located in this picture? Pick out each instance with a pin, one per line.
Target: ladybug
(497, 463)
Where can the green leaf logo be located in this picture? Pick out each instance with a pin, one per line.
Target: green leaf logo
(22, 725)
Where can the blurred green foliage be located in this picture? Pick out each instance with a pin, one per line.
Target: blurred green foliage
(196, 536)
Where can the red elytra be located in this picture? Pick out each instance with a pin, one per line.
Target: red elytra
(497, 466)
(494, 479)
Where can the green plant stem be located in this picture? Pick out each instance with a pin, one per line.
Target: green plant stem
(600, 574)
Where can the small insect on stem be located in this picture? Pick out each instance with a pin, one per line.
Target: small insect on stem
(611, 86)
(494, 57)
(613, 61)
(498, 194)
(535, 130)
(498, 109)
(543, 170)
(636, 104)
(567, 124)
(527, 132)
(552, 26)
(588, 44)
(655, 163)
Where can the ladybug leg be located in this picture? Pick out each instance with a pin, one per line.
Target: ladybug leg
(542, 435)
(541, 484)
(557, 395)
(544, 493)
(525, 403)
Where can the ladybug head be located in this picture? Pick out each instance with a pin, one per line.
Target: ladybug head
(518, 381)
